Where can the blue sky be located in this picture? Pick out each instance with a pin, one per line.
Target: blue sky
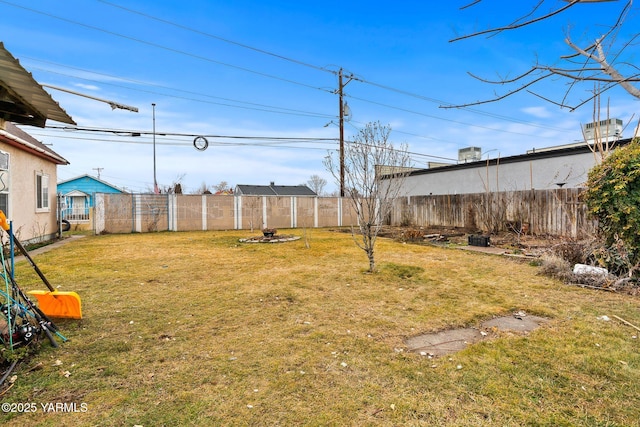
(259, 80)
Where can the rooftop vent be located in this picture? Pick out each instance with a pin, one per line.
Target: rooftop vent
(604, 129)
(469, 154)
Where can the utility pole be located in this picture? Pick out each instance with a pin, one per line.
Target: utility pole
(341, 86)
(155, 182)
(98, 170)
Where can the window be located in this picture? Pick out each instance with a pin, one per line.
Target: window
(42, 192)
(4, 203)
(4, 182)
(4, 161)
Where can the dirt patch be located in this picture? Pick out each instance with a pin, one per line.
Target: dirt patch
(453, 340)
(278, 238)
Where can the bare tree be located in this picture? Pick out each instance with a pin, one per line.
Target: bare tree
(203, 189)
(317, 184)
(222, 187)
(603, 59)
(374, 173)
(174, 188)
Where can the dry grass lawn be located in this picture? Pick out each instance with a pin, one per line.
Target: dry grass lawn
(198, 329)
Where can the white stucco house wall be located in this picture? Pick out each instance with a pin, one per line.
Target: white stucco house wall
(28, 176)
(536, 170)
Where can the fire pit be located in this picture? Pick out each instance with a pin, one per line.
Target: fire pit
(270, 235)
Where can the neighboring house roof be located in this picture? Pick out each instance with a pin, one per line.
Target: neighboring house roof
(274, 190)
(87, 184)
(23, 100)
(13, 135)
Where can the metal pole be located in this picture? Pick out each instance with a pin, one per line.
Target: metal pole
(11, 249)
(155, 182)
(113, 104)
(340, 86)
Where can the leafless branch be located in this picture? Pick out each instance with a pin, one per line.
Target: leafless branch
(516, 24)
(500, 97)
(600, 58)
(597, 62)
(549, 100)
(470, 4)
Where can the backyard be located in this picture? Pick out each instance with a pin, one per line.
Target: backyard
(198, 328)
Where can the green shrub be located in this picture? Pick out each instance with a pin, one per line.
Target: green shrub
(612, 197)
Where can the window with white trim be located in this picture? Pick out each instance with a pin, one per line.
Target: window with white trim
(42, 192)
(4, 182)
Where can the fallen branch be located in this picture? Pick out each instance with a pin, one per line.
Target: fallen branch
(618, 283)
(7, 389)
(625, 322)
(599, 288)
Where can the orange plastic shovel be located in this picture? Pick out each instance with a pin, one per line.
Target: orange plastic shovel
(52, 303)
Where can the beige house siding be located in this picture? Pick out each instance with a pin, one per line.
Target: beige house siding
(30, 223)
(29, 158)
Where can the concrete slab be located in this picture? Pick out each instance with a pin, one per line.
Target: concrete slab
(51, 246)
(514, 323)
(453, 340)
(444, 342)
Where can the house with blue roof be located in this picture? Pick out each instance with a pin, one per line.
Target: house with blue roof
(78, 197)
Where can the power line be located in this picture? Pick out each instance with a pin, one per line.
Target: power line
(277, 110)
(471, 110)
(159, 46)
(263, 107)
(177, 139)
(316, 67)
(279, 78)
(126, 132)
(268, 141)
(285, 58)
(178, 143)
(184, 27)
(394, 131)
(436, 117)
(353, 77)
(283, 109)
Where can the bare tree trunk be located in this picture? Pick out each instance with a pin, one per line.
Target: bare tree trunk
(374, 177)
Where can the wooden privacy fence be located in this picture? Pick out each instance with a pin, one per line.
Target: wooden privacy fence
(555, 212)
(559, 212)
(139, 213)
